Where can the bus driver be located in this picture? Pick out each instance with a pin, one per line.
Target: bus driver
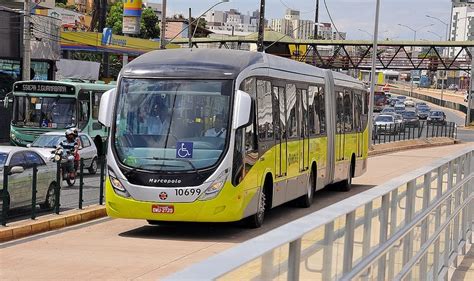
(218, 130)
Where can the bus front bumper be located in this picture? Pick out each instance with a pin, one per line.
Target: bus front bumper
(228, 206)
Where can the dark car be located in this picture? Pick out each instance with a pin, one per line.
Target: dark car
(437, 117)
(423, 112)
(411, 120)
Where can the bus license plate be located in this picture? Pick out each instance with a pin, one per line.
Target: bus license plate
(162, 209)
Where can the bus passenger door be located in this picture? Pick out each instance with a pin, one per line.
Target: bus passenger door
(339, 126)
(304, 134)
(283, 132)
(279, 128)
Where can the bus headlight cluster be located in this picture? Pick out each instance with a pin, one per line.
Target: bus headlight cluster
(213, 190)
(118, 187)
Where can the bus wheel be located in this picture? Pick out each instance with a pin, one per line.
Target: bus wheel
(346, 185)
(256, 220)
(306, 200)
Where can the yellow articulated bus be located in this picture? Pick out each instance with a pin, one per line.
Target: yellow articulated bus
(208, 135)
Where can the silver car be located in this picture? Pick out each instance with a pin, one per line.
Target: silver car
(20, 162)
(47, 142)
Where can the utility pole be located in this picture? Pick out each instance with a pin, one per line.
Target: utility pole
(372, 78)
(26, 42)
(316, 21)
(163, 25)
(190, 32)
(261, 27)
(316, 25)
(470, 91)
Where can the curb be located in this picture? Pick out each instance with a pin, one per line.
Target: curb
(423, 144)
(9, 233)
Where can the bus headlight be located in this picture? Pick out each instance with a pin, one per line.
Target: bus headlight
(118, 187)
(213, 190)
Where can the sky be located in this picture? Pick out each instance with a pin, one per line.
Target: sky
(348, 15)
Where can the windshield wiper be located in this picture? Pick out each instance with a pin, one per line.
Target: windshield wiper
(176, 159)
(164, 165)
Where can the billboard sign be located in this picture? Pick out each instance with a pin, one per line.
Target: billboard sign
(132, 12)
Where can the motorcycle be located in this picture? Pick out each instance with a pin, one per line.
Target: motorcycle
(66, 159)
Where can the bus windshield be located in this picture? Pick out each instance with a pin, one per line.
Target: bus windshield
(172, 125)
(44, 112)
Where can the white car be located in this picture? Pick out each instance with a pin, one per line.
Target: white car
(47, 142)
(409, 102)
(385, 124)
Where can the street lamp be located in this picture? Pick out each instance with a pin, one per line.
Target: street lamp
(414, 39)
(370, 34)
(197, 19)
(372, 85)
(436, 34)
(415, 30)
(443, 22)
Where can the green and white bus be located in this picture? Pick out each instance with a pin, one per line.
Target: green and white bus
(46, 106)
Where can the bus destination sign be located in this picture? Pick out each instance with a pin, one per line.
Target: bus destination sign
(43, 88)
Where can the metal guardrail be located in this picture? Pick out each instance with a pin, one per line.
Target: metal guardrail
(412, 227)
(86, 191)
(420, 130)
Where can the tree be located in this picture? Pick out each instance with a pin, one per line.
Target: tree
(149, 25)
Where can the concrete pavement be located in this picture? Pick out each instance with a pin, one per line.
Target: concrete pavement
(129, 249)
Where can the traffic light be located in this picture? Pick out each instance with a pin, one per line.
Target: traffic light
(433, 64)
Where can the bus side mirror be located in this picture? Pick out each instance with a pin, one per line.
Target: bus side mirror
(242, 109)
(106, 108)
(7, 100)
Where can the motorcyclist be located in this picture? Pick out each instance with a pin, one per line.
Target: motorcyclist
(70, 144)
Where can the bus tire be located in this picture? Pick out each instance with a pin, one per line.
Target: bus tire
(306, 200)
(256, 220)
(346, 185)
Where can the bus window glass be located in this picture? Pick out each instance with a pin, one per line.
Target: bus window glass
(311, 111)
(264, 110)
(45, 112)
(276, 113)
(304, 113)
(348, 112)
(339, 112)
(282, 103)
(96, 96)
(291, 104)
(322, 110)
(172, 125)
(357, 111)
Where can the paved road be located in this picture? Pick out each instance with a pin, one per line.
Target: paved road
(131, 249)
(463, 134)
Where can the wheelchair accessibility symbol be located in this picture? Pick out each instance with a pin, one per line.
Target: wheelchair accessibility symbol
(184, 150)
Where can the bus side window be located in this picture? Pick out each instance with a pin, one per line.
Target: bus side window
(292, 109)
(348, 111)
(84, 105)
(96, 103)
(322, 109)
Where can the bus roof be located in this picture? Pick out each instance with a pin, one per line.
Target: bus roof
(214, 63)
